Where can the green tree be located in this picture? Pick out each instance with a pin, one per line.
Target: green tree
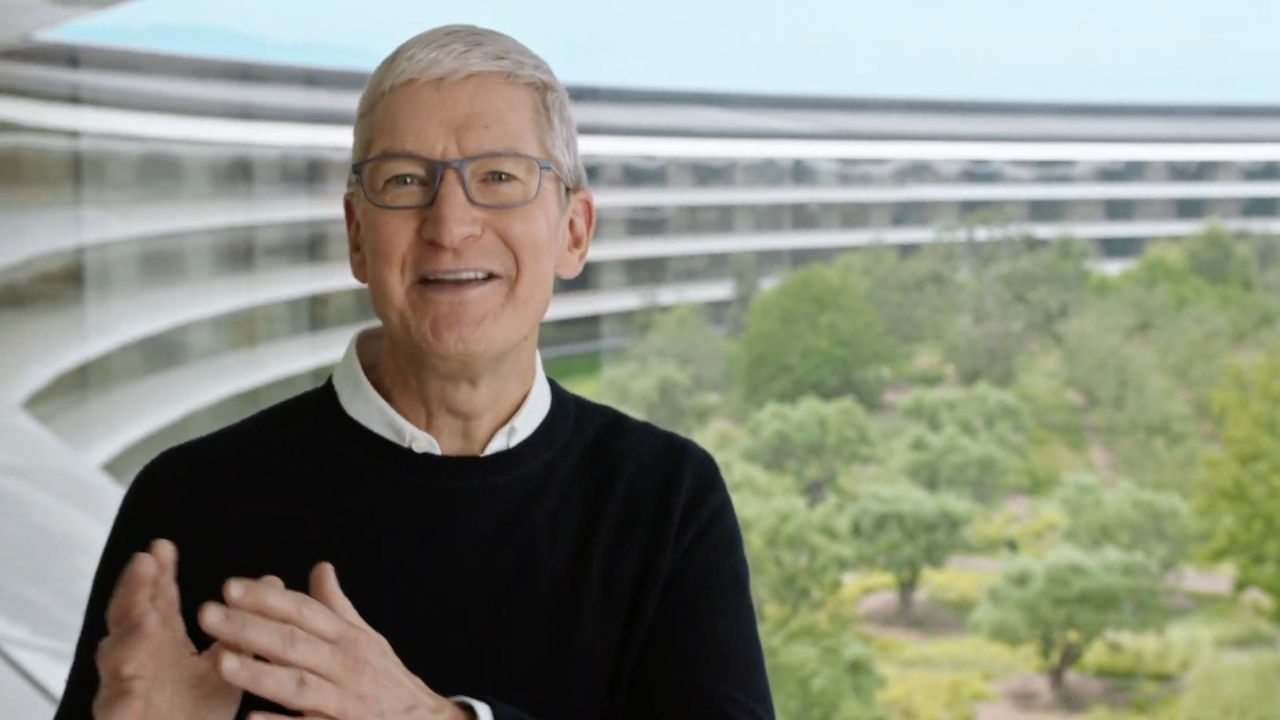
(916, 294)
(1045, 284)
(660, 391)
(1138, 413)
(797, 552)
(1126, 516)
(674, 374)
(1216, 257)
(745, 271)
(819, 669)
(950, 461)
(1016, 291)
(971, 441)
(1210, 269)
(901, 529)
(815, 333)
(1236, 495)
(810, 440)
(685, 336)
(1064, 601)
(978, 411)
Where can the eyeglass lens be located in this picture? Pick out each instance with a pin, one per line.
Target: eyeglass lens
(500, 180)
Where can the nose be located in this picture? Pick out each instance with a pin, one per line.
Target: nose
(451, 220)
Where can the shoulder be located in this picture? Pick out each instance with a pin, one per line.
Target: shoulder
(287, 429)
(641, 458)
(638, 442)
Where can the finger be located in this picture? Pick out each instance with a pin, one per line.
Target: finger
(132, 598)
(252, 634)
(288, 606)
(117, 701)
(213, 649)
(293, 688)
(325, 588)
(122, 657)
(166, 598)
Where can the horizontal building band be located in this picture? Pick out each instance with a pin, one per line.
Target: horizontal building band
(47, 344)
(713, 244)
(124, 79)
(66, 117)
(611, 198)
(114, 420)
(27, 235)
(31, 234)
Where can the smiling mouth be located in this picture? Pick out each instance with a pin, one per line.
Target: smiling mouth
(457, 278)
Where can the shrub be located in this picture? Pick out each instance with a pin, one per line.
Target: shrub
(961, 654)
(960, 589)
(1233, 686)
(859, 585)
(1228, 625)
(925, 695)
(1033, 532)
(1161, 656)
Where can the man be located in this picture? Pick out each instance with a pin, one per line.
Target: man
(506, 549)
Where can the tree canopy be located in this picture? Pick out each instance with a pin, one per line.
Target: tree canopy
(1064, 601)
(1125, 516)
(844, 348)
(902, 529)
(810, 440)
(1238, 489)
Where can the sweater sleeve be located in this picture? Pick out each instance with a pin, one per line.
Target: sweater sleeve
(137, 523)
(702, 658)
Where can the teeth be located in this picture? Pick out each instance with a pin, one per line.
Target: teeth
(463, 275)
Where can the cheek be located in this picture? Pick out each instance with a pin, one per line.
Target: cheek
(387, 246)
(535, 252)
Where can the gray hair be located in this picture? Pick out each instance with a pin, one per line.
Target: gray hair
(454, 52)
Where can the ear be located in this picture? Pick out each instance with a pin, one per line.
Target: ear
(355, 242)
(578, 233)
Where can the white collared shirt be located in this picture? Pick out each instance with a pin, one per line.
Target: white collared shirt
(363, 403)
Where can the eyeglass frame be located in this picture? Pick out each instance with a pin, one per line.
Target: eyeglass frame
(460, 165)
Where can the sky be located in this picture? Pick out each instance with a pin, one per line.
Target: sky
(1141, 51)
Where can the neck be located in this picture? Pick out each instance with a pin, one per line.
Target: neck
(460, 403)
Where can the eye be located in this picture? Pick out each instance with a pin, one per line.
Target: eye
(405, 180)
(498, 176)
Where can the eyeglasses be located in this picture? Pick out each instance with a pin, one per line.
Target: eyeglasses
(498, 180)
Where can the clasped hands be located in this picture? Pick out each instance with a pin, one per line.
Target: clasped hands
(312, 653)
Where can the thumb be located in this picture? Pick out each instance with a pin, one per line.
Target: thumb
(325, 588)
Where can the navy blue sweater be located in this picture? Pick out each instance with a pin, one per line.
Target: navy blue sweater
(595, 570)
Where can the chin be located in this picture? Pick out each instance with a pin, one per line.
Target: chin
(462, 341)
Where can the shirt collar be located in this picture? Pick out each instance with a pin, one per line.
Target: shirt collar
(363, 403)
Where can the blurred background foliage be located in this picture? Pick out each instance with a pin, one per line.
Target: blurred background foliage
(982, 475)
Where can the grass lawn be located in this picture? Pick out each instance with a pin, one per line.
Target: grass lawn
(579, 374)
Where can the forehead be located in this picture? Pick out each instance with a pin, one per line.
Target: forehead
(458, 118)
